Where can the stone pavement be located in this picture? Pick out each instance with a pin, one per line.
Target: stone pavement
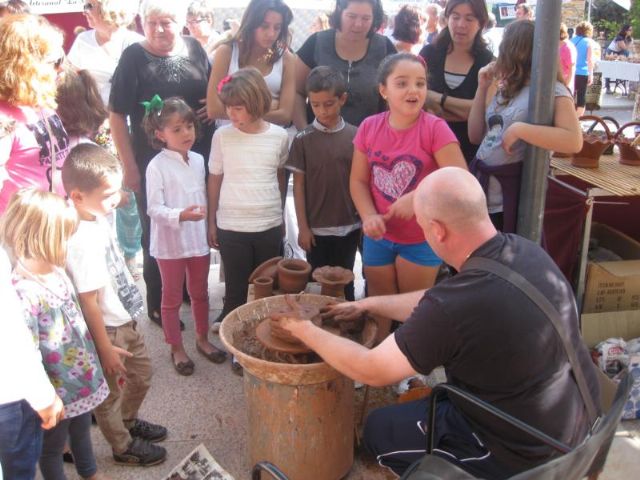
(616, 106)
(209, 406)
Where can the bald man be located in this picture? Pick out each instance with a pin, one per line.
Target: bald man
(490, 338)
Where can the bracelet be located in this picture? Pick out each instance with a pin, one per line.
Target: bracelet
(442, 100)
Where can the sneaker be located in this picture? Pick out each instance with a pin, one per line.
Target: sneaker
(141, 454)
(236, 368)
(215, 326)
(148, 431)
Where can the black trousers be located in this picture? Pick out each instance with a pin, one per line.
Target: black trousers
(150, 270)
(336, 252)
(396, 436)
(580, 84)
(241, 253)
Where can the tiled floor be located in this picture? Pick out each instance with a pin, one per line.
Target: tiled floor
(209, 408)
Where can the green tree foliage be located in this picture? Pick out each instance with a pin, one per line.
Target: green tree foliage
(608, 16)
(634, 16)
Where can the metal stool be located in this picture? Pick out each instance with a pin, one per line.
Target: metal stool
(268, 467)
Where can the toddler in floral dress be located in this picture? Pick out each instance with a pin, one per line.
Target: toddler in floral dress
(36, 227)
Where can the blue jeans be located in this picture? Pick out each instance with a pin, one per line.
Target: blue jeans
(77, 430)
(20, 440)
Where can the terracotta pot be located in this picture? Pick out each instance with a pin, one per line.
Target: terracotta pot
(332, 280)
(293, 275)
(262, 287)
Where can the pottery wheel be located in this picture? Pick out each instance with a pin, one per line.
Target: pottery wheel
(264, 335)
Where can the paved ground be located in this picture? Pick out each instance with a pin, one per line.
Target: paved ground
(209, 407)
(616, 106)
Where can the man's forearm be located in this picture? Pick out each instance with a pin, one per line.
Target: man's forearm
(382, 365)
(349, 358)
(397, 307)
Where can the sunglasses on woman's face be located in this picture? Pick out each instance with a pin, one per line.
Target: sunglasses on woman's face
(88, 7)
(195, 21)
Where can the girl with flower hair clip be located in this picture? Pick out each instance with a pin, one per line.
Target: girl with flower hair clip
(177, 206)
(36, 227)
(246, 184)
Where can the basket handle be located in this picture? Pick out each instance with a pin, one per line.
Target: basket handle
(596, 119)
(618, 134)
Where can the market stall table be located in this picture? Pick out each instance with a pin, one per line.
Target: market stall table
(619, 70)
(611, 178)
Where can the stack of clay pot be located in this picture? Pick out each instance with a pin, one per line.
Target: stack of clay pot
(333, 280)
(281, 275)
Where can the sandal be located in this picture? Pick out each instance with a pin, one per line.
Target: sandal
(217, 356)
(183, 368)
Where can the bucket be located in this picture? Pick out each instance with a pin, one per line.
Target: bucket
(301, 416)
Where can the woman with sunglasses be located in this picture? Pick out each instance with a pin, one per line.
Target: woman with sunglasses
(33, 142)
(200, 25)
(98, 50)
(168, 64)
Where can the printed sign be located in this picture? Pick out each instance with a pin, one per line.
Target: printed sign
(55, 6)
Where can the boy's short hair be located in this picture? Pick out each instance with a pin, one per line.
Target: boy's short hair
(86, 166)
(326, 79)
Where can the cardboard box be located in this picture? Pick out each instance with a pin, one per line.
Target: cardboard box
(613, 286)
(597, 327)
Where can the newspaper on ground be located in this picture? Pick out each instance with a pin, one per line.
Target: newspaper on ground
(199, 465)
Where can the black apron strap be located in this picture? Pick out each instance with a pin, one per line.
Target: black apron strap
(517, 280)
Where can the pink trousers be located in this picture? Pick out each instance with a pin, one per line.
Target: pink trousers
(173, 273)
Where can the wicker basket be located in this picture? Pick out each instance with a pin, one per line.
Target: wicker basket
(629, 147)
(608, 150)
(593, 144)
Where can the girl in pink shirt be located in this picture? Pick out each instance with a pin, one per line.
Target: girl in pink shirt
(393, 152)
(33, 142)
(567, 55)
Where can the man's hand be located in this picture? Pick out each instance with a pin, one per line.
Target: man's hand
(306, 240)
(288, 323)
(193, 213)
(402, 208)
(52, 414)
(345, 311)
